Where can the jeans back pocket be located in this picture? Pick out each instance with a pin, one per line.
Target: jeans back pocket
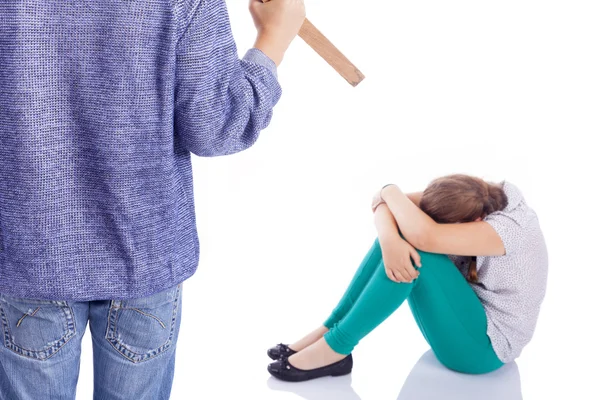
(36, 329)
(140, 329)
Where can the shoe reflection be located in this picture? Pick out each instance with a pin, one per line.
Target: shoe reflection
(430, 380)
(339, 388)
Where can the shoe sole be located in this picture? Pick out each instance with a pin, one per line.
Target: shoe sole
(299, 379)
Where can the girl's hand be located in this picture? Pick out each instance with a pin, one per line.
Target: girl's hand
(376, 201)
(398, 258)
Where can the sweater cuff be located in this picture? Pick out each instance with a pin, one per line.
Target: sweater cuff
(256, 56)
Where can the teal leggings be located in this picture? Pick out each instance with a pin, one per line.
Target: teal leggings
(448, 312)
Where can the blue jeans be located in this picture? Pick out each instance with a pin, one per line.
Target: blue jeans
(133, 344)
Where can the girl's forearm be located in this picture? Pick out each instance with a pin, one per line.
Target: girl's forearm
(415, 198)
(414, 223)
(385, 223)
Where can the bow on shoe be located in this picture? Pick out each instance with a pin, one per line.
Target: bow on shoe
(282, 364)
(283, 349)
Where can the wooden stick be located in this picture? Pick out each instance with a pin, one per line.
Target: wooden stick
(319, 43)
(315, 39)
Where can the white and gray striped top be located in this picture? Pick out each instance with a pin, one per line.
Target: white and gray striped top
(511, 287)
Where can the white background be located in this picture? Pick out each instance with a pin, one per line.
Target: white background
(502, 90)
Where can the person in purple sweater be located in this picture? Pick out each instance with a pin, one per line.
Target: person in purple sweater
(101, 106)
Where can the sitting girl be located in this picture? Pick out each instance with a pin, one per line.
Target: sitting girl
(477, 307)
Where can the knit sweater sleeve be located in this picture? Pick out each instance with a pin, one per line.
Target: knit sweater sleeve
(222, 102)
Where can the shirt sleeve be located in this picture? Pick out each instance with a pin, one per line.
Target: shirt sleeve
(222, 102)
(509, 226)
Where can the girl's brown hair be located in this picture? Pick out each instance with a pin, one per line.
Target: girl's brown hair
(461, 198)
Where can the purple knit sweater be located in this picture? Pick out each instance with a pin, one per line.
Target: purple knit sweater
(101, 104)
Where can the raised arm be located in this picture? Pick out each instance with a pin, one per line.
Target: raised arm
(222, 102)
(420, 230)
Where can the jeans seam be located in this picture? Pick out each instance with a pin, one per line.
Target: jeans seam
(32, 300)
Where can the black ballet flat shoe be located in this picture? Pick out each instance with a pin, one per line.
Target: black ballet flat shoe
(281, 350)
(282, 369)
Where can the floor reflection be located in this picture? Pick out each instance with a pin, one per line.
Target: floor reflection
(339, 388)
(430, 380)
